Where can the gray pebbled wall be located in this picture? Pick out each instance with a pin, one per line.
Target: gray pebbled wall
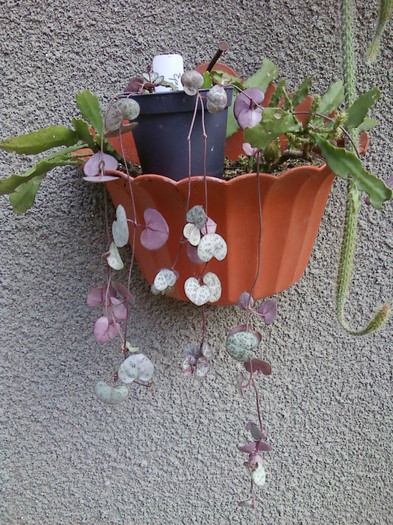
(169, 455)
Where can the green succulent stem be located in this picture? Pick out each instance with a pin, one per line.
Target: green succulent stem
(348, 246)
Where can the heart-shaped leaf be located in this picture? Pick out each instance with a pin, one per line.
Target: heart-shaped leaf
(123, 292)
(128, 370)
(245, 301)
(124, 108)
(117, 309)
(255, 430)
(213, 282)
(120, 227)
(258, 365)
(209, 227)
(109, 394)
(98, 164)
(212, 245)
(156, 231)
(196, 293)
(113, 257)
(197, 215)
(105, 330)
(192, 233)
(259, 475)
(96, 296)
(242, 345)
(164, 279)
(192, 252)
(136, 366)
(202, 367)
(268, 310)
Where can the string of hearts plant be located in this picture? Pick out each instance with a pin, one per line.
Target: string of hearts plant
(200, 237)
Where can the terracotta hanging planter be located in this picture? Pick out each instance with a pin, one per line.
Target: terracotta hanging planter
(292, 207)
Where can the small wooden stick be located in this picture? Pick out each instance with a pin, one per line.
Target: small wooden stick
(222, 47)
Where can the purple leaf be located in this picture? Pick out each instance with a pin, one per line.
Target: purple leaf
(156, 231)
(117, 310)
(209, 227)
(96, 296)
(246, 112)
(104, 330)
(255, 430)
(264, 447)
(268, 310)
(192, 252)
(245, 301)
(258, 365)
(250, 448)
(96, 166)
(123, 292)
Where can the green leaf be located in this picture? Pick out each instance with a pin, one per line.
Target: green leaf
(60, 158)
(358, 111)
(207, 80)
(343, 163)
(368, 123)
(261, 79)
(278, 93)
(23, 197)
(332, 98)
(41, 140)
(302, 92)
(90, 109)
(275, 122)
(83, 131)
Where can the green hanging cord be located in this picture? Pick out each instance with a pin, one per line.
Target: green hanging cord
(348, 245)
(385, 10)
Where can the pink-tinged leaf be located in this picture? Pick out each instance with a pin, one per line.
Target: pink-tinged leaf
(156, 231)
(209, 227)
(192, 252)
(117, 310)
(264, 447)
(255, 430)
(245, 110)
(104, 330)
(258, 365)
(101, 330)
(268, 310)
(113, 329)
(250, 448)
(124, 292)
(96, 296)
(245, 301)
(98, 164)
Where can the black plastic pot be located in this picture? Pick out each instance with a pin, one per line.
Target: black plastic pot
(161, 137)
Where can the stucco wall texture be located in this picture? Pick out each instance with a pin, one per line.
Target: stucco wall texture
(168, 455)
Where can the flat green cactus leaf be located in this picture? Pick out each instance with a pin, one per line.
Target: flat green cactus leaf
(41, 140)
(23, 197)
(83, 131)
(343, 163)
(263, 76)
(332, 98)
(90, 109)
(358, 111)
(368, 123)
(302, 92)
(60, 158)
